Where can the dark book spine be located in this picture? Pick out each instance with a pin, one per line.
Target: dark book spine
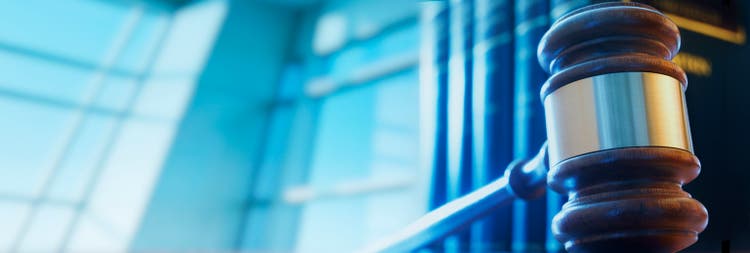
(531, 21)
(492, 97)
(434, 97)
(459, 108)
(433, 76)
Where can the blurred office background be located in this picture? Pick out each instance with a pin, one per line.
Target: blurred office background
(306, 125)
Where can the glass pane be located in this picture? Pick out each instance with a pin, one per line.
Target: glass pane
(116, 93)
(142, 44)
(402, 40)
(343, 152)
(368, 140)
(47, 229)
(397, 123)
(79, 30)
(11, 216)
(395, 157)
(343, 147)
(389, 211)
(128, 176)
(31, 137)
(347, 20)
(92, 235)
(79, 163)
(332, 225)
(37, 77)
(164, 98)
(197, 24)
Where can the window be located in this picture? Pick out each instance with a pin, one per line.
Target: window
(82, 140)
(343, 141)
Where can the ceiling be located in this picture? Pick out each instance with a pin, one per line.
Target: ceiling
(292, 3)
(286, 3)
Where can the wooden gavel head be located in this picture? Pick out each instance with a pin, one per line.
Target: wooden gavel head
(619, 139)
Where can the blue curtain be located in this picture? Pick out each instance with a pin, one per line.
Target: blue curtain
(479, 65)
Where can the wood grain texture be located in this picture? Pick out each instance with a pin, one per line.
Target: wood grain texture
(628, 200)
(609, 38)
(624, 199)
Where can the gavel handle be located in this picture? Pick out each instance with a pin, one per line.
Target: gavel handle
(524, 179)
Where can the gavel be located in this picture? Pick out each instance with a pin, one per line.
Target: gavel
(618, 146)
